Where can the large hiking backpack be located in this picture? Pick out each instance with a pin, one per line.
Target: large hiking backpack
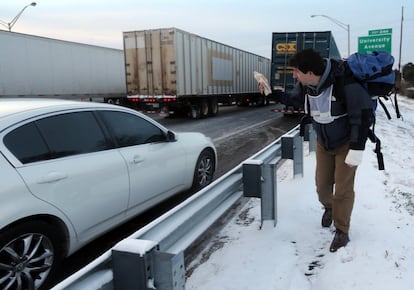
(374, 72)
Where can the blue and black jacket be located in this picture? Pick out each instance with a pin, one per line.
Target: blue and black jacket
(351, 105)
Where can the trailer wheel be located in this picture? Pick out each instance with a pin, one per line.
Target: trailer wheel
(204, 110)
(213, 107)
(195, 112)
(113, 101)
(261, 101)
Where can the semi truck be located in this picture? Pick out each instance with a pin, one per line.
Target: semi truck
(33, 66)
(284, 45)
(169, 71)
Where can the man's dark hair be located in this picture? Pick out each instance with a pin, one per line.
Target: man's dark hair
(308, 60)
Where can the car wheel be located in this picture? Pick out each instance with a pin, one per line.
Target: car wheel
(204, 170)
(28, 255)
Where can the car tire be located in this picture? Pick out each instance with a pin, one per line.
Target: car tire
(204, 170)
(30, 253)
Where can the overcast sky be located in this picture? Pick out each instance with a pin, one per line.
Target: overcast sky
(246, 25)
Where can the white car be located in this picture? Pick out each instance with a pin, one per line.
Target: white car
(71, 171)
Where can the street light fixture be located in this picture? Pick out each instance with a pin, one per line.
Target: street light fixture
(10, 24)
(340, 24)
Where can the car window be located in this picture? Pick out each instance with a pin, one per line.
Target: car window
(17, 142)
(73, 133)
(56, 136)
(130, 129)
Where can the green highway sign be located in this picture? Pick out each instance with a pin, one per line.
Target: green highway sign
(380, 31)
(377, 39)
(368, 44)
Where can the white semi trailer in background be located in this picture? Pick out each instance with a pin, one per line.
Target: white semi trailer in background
(33, 66)
(169, 70)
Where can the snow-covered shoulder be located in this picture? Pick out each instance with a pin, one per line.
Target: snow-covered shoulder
(295, 254)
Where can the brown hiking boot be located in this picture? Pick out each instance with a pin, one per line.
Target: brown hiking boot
(327, 218)
(340, 240)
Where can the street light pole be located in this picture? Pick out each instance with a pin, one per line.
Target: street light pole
(340, 24)
(10, 24)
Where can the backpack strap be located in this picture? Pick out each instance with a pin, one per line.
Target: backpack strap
(397, 109)
(384, 108)
(377, 150)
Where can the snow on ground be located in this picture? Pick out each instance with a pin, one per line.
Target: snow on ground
(295, 254)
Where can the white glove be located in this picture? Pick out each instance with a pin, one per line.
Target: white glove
(354, 157)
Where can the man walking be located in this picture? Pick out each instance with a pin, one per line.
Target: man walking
(341, 112)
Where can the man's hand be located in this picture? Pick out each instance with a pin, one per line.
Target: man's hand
(354, 157)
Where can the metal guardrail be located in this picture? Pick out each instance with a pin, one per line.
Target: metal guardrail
(153, 257)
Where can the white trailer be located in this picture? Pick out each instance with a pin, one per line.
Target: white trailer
(33, 66)
(170, 70)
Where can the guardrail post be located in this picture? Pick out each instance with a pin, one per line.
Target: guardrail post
(292, 148)
(310, 136)
(252, 178)
(269, 189)
(169, 271)
(133, 265)
(137, 264)
(259, 180)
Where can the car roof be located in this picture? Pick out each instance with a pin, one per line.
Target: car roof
(10, 106)
(13, 110)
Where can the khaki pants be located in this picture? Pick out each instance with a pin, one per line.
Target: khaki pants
(335, 184)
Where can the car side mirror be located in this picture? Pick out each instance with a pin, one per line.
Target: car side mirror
(170, 136)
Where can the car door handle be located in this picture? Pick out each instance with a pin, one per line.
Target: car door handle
(52, 177)
(137, 159)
